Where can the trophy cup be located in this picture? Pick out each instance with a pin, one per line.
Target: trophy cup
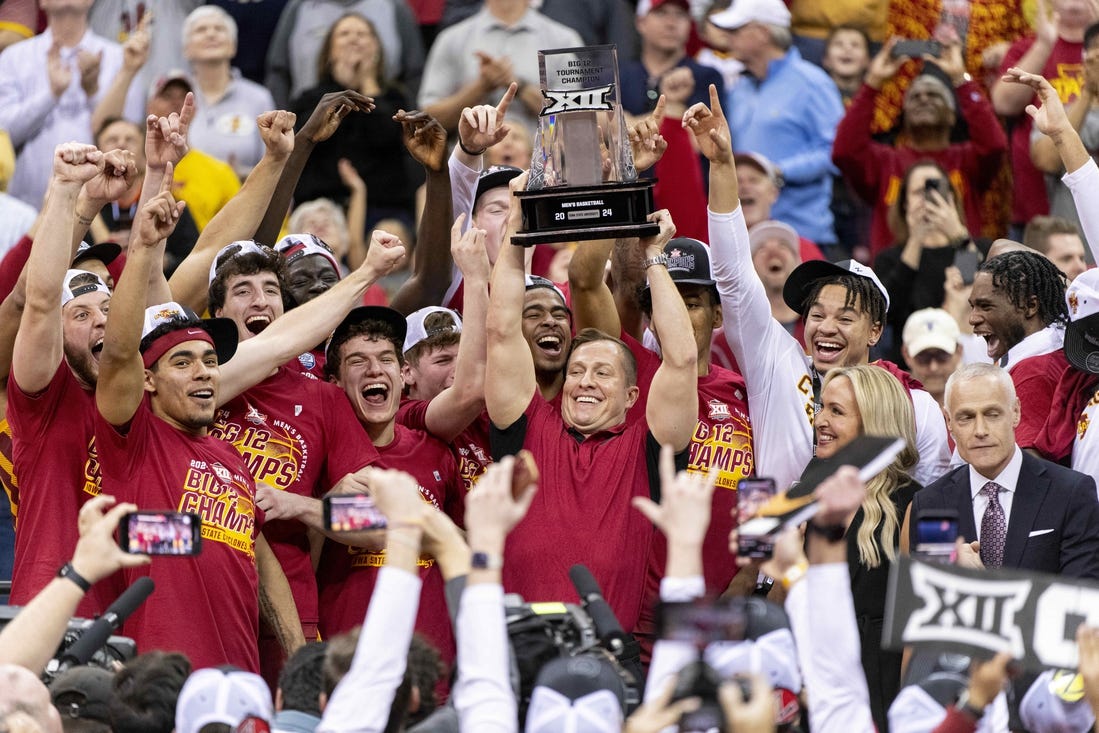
(582, 183)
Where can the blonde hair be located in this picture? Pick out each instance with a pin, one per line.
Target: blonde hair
(885, 410)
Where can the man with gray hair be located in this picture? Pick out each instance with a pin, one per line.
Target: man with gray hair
(876, 170)
(786, 109)
(1014, 510)
(226, 104)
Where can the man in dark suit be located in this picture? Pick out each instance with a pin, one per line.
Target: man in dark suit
(1026, 512)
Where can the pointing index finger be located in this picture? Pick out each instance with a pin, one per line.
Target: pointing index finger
(169, 178)
(505, 102)
(658, 111)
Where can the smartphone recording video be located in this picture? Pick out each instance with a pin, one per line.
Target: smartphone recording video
(703, 621)
(161, 533)
(352, 513)
(754, 539)
(936, 533)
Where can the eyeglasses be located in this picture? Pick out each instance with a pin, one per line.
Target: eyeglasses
(925, 357)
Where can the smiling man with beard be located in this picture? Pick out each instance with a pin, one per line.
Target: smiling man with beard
(55, 366)
(1018, 306)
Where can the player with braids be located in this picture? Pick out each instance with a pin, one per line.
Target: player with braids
(1025, 275)
(1018, 306)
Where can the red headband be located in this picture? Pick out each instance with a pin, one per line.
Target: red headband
(159, 347)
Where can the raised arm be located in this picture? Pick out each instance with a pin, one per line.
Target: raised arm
(1009, 99)
(510, 363)
(672, 409)
(1051, 118)
(120, 388)
(239, 218)
(322, 123)
(854, 151)
(307, 325)
(38, 343)
(362, 699)
(594, 305)
(165, 144)
(32, 637)
(482, 694)
(425, 140)
(135, 52)
(772, 361)
(453, 409)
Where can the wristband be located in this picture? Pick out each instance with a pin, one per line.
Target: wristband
(467, 151)
(486, 561)
(794, 574)
(68, 572)
(969, 709)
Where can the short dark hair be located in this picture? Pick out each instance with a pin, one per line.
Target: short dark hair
(374, 329)
(302, 679)
(145, 692)
(1089, 35)
(645, 296)
(230, 264)
(425, 667)
(1041, 228)
(593, 335)
(337, 663)
(836, 30)
(862, 295)
(1025, 275)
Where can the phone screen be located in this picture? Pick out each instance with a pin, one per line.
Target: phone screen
(352, 513)
(161, 533)
(967, 261)
(703, 621)
(752, 494)
(935, 536)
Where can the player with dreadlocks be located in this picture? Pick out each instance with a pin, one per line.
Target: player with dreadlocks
(844, 305)
(1018, 306)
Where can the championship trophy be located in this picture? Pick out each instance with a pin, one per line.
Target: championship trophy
(582, 183)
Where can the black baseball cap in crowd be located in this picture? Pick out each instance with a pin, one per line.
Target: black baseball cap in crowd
(801, 280)
(688, 261)
(105, 252)
(83, 693)
(584, 694)
(368, 313)
(494, 177)
(1082, 332)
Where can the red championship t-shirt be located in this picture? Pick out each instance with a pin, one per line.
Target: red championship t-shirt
(1036, 379)
(310, 364)
(582, 512)
(205, 605)
(471, 449)
(54, 456)
(298, 435)
(723, 438)
(346, 575)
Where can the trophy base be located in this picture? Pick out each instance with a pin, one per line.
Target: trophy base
(584, 213)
